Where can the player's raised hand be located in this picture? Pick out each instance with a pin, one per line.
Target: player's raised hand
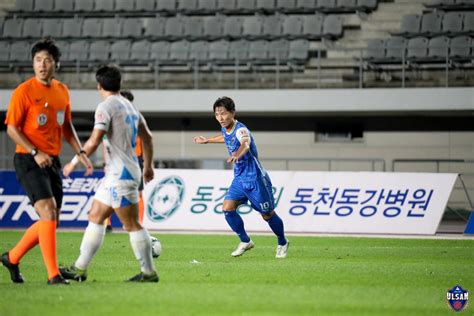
(200, 140)
(233, 159)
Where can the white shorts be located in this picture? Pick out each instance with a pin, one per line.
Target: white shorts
(117, 193)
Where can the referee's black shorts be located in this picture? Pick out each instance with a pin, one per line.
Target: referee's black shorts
(39, 183)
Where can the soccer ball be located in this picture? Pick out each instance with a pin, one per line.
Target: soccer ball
(155, 247)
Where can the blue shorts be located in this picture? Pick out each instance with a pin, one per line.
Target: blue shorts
(258, 191)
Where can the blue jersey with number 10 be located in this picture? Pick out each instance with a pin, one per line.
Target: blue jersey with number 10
(248, 166)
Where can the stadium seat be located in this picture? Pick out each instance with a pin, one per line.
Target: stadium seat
(395, 48)
(239, 50)
(120, 50)
(52, 27)
(64, 48)
(124, 5)
(166, 5)
(83, 5)
(187, 6)
(252, 27)
(12, 27)
(346, 5)
(233, 27)
(452, 23)
(31, 28)
(468, 27)
(43, 5)
(160, 51)
(193, 27)
(20, 51)
(431, 24)
(266, 5)
(140, 51)
(207, 6)
(332, 26)
(246, 6)
(78, 50)
(111, 27)
(286, 5)
(438, 48)
(64, 5)
(179, 51)
(306, 5)
(366, 5)
(226, 6)
(299, 50)
(155, 27)
(104, 6)
(410, 25)
(99, 51)
(292, 26)
(327, 5)
(24, 5)
(460, 48)
(4, 51)
(72, 28)
(312, 26)
(173, 28)
(272, 26)
(199, 50)
(212, 28)
(145, 5)
(132, 27)
(92, 27)
(375, 51)
(219, 50)
(417, 49)
(258, 50)
(2, 20)
(279, 49)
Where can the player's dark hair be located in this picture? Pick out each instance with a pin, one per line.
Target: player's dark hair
(127, 94)
(226, 102)
(48, 45)
(109, 78)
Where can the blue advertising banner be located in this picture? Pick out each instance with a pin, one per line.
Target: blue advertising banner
(17, 211)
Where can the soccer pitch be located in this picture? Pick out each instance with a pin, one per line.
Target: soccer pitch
(320, 276)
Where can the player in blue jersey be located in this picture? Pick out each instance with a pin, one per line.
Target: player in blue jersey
(251, 182)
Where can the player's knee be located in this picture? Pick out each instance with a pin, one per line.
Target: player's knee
(47, 211)
(267, 216)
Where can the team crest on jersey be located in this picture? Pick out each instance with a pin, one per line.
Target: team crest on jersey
(60, 117)
(42, 119)
(457, 298)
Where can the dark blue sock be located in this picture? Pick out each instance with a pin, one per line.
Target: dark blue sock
(237, 224)
(276, 224)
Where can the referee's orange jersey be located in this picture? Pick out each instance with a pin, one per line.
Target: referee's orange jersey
(39, 112)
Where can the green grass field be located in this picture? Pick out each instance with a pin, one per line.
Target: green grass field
(321, 276)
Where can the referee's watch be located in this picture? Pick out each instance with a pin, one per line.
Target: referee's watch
(34, 152)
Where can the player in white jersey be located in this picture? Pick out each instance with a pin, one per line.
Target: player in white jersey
(121, 122)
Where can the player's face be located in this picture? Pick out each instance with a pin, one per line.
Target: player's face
(224, 117)
(44, 66)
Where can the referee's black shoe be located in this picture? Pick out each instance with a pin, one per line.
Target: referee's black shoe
(14, 270)
(58, 279)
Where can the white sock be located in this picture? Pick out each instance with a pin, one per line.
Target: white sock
(141, 245)
(91, 242)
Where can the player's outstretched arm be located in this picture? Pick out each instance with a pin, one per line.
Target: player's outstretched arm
(243, 149)
(205, 140)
